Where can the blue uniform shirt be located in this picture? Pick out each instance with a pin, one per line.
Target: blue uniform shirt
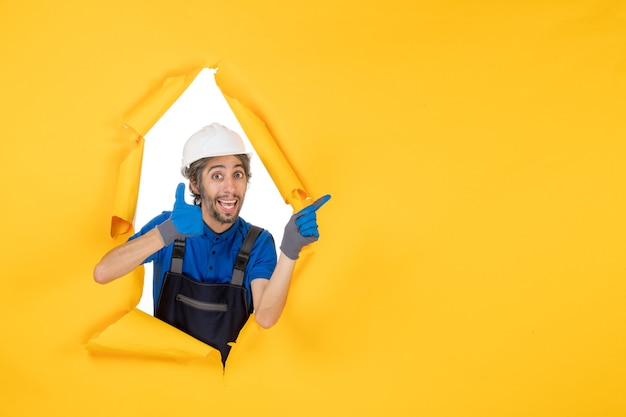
(211, 257)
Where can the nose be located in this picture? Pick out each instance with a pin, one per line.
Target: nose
(229, 184)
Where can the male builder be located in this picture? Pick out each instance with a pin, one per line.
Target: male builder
(197, 249)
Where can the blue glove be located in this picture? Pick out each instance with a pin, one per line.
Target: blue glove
(185, 221)
(301, 229)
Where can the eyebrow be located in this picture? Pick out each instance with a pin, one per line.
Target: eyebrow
(212, 167)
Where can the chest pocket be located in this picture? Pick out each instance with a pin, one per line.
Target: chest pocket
(212, 313)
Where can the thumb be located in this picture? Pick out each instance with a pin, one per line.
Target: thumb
(180, 193)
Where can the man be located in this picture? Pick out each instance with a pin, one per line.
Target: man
(203, 241)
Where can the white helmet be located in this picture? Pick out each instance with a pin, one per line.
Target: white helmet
(212, 140)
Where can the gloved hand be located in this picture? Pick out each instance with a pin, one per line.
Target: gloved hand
(185, 221)
(301, 229)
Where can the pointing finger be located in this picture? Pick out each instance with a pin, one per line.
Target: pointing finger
(316, 205)
(321, 201)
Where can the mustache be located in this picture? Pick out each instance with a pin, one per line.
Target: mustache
(225, 196)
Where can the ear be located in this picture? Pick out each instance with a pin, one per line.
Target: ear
(192, 185)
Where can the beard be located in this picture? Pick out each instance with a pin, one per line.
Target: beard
(211, 203)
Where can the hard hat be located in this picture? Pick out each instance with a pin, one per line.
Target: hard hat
(212, 140)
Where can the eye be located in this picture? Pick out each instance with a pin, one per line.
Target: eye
(216, 176)
(239, 175)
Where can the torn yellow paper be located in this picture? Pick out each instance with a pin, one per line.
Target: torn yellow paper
(125, 204)
(147, 113)
(139, 121)
(139, 333)
(273, 159)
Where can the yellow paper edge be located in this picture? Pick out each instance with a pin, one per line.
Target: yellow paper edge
(127, 191)
(139, 333)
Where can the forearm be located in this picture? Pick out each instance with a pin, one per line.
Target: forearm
(274, 295)
(123, 259)
(301, 230)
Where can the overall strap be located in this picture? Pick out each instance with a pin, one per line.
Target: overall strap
(244, 255)
(178, 253)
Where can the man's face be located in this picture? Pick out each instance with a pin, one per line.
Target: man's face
(222, 189)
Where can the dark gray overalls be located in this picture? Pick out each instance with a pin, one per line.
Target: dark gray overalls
(212, 313)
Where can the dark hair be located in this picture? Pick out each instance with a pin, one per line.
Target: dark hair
(194, 172)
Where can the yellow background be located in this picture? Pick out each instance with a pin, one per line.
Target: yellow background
(472, 257)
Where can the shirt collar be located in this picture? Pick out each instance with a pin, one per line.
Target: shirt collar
(225, 235)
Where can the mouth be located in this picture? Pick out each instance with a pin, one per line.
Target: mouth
(228, 205)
